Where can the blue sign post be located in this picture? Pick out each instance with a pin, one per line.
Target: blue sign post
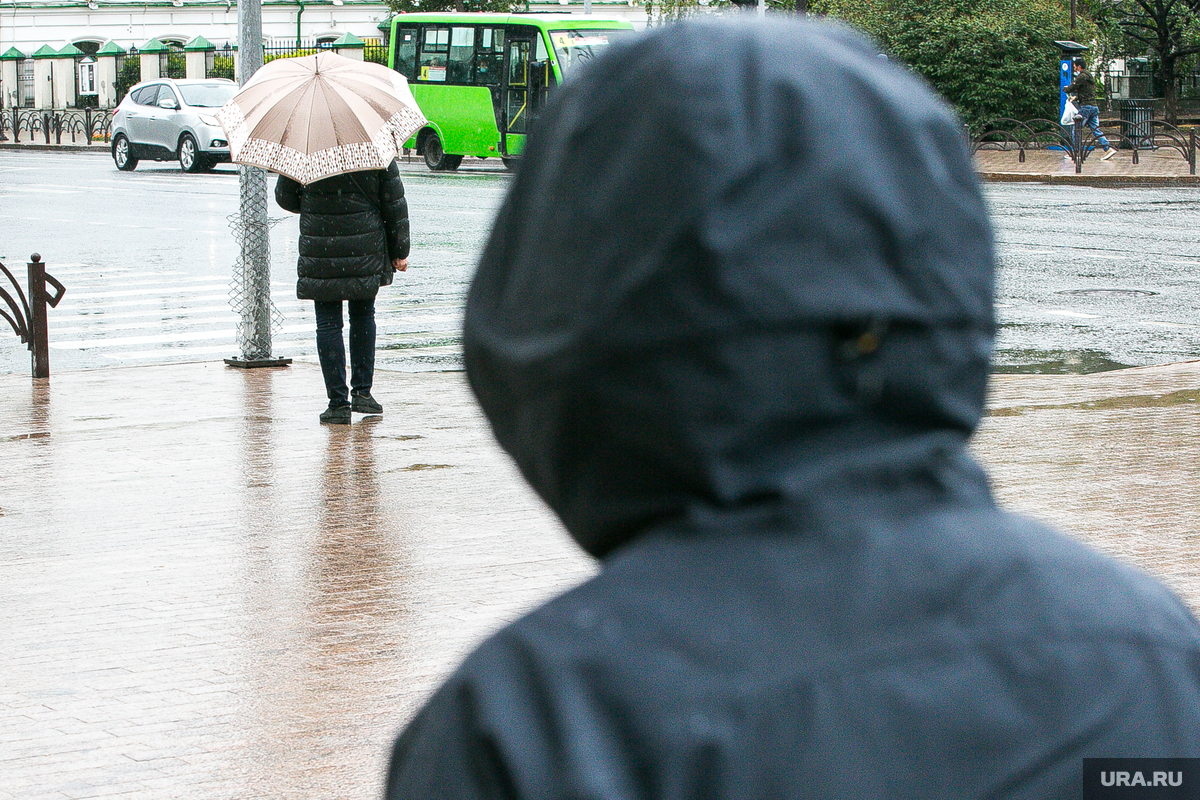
(1065, 72)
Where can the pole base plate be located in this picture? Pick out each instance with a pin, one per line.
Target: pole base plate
(254, 363)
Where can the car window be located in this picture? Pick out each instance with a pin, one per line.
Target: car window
(207, 95)
(147, 95)
(164, 91)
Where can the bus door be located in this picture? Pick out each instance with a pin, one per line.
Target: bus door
(527, 78)
(405, 44)
(516, 91)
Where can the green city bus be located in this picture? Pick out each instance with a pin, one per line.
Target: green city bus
(477, 75)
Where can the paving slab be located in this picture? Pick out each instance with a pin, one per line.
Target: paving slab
(205, 593)
(1162, 167)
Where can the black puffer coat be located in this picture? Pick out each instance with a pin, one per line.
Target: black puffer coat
(351, 227)
(733, 323)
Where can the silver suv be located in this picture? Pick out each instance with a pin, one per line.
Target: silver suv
(165, 119)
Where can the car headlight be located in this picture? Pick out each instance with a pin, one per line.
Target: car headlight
(209, 119)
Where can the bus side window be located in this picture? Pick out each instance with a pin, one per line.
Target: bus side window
(489, 57)
(406, 52)
(435, 51)
(462, 54)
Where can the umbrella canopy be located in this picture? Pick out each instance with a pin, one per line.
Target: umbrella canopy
(320, 115)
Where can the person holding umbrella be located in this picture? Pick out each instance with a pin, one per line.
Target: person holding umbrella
(331, 128)
(353, 236)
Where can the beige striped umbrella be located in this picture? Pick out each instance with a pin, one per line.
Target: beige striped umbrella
(320, 115)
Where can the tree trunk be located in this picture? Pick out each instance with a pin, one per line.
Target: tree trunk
(1166, 74)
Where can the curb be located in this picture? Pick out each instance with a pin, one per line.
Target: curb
(1060, 179)
(1098, 181)
(102, 148)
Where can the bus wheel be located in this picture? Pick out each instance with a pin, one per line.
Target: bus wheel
(436, 158)
(510, 164)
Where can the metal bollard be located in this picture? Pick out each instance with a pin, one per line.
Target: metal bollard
(28, 317)
(39, 329)
(1077, 148)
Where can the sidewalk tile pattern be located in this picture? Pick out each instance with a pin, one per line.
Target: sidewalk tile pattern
(205, 593)
(1155, 166)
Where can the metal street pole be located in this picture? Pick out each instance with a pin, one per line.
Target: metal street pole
(252, 289)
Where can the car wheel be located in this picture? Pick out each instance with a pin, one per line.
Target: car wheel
(436, 158)
(189, 158)
(123, 154)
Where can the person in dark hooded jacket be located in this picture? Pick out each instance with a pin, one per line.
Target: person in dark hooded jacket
(734, 323)
(353, 236)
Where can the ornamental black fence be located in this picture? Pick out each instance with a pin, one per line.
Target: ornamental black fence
(88, 125)
(1077, 142)
(376, 53)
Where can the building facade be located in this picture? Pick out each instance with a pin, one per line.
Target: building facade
(60, 53)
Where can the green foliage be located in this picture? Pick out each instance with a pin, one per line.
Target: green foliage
(1167, 31)
(662, 11)
(222, 68)
(410, 6)
(271, 55)
(130, 74)
(990, 59)
(176, 65)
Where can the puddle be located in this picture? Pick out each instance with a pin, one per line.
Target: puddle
(1053, 362)
(1107, 292)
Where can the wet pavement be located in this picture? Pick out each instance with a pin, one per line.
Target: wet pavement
(147, 257)
(1090, 277)
(205, 593)
(1095, 278)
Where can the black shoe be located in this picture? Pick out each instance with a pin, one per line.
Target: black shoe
(336, 415)
(365, 404)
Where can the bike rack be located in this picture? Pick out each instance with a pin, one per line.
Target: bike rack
(1078, 142)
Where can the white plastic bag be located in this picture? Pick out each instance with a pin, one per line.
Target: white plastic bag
(1069, 112)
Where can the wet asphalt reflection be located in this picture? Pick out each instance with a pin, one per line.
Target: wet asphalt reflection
(1090, 279)
(1095, 279)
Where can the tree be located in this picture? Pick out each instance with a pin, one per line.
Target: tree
(1166, 30)
(409, 6)
(989, 58)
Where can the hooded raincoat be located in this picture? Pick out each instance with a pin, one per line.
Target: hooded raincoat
(733, 323)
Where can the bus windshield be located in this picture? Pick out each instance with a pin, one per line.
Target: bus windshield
(574, 46)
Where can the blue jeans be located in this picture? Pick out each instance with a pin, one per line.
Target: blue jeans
(1091, 118)
(332, 352)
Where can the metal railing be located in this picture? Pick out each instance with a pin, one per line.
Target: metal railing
(1078, 141)
(28, 317)
(88, 123)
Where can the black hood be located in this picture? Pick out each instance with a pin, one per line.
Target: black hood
(744, 268)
